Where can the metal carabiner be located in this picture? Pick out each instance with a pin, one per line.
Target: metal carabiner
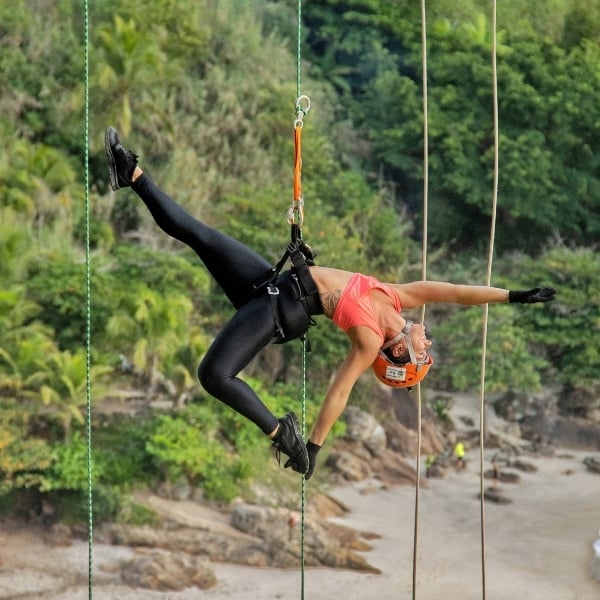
(295, 213)
(302, 107)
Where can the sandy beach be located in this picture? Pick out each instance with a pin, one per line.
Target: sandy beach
(538, 547)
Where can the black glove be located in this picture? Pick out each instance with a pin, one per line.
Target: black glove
(532, 296)
(313, 450)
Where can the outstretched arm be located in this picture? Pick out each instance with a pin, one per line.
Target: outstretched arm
(417, 293)
(365, 345)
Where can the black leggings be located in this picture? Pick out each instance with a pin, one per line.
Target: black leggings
(236, 268)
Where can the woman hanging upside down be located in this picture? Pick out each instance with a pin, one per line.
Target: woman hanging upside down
(277, 308)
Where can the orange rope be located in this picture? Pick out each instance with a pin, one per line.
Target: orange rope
(295, 214)
(298, 163)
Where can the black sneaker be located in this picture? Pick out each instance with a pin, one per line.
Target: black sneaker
(289, 441)
(121, 162)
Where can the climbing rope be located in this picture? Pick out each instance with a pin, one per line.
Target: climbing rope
(488, 283)
(295, 218)
(303, 484)
(482, 424)
(88, 296)
(423, 277)
(295, 215)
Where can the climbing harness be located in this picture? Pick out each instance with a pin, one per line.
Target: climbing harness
(304, 287)
(297, 251)
(300, 254)
(309, 293)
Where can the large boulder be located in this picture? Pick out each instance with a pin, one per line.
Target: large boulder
(217, 545)
(352, 462)
(364, 428)
(592, 464)
(349, 465)
(404, 440)
(568, 432)
(580, 402)
(326, 544)
(517, 406)
(168, 571)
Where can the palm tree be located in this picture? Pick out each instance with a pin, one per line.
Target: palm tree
(156, 328)
(64, 390)
(130, 61)
(15, 240)
(22, 364)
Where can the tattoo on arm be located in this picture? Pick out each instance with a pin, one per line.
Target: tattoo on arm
(329, 301)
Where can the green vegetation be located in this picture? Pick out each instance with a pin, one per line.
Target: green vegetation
(204, 92)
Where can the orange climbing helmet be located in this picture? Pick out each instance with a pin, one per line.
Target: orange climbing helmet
(405, 373)
(400, 376)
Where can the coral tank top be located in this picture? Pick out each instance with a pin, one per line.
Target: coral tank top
(355, 306)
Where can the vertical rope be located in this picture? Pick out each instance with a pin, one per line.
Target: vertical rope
(88, 295)
(297, 198)
(482, 425)
(298, 47)
(423, 277)
(303, 490)
(425, 149)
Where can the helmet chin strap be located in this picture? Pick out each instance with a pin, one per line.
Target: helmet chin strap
(409, 344)
(404, 334)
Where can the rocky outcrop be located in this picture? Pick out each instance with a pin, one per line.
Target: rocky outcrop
(559, 416)
(385, 451)
(210, 543)
(568, 432)
(352, 462)
(322, 540)
(502, 476)
(496, 496)
(581, 402)
(592, 464)
(178, 552)
(364, 428)
(168, 571)
(516, 407)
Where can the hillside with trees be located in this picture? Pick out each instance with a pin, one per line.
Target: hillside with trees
(204, 92)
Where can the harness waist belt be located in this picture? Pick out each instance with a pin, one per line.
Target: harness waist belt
(308, 292)
(310, 297)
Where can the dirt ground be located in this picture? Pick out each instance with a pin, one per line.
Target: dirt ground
(538, 546)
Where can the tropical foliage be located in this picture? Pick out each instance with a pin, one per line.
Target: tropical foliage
(204, 91)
